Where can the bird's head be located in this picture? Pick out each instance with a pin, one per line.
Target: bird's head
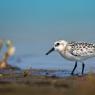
(58, 46)
(9, 43)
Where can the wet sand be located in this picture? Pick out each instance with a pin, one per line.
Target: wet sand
(26, 83)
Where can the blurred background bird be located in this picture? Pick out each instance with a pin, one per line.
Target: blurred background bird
(10, 51)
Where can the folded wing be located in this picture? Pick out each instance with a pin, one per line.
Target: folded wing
(82, 49)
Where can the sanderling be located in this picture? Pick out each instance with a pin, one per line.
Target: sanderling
(10, 51)
(11, 48)
(74, 51)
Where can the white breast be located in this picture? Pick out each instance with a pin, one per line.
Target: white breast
(68, 56)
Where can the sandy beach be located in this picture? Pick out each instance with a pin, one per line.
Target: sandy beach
(25, 83)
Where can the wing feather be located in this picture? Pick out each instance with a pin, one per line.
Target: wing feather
(82, 49)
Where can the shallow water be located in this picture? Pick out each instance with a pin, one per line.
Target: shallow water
(60, 66)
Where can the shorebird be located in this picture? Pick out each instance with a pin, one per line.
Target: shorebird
(74, 51)
(10, 51)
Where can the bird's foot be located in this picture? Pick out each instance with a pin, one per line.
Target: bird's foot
(72, 73)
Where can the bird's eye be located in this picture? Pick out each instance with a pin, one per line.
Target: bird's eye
(57, 44)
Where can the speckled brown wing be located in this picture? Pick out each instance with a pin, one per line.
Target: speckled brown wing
(81, 49)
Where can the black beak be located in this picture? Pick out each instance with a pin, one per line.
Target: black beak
(52, 49)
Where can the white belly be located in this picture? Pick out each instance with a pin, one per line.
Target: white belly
(71, 57)
(68, 56)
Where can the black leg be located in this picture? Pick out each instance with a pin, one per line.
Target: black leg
(83, 65)
(74, 68)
